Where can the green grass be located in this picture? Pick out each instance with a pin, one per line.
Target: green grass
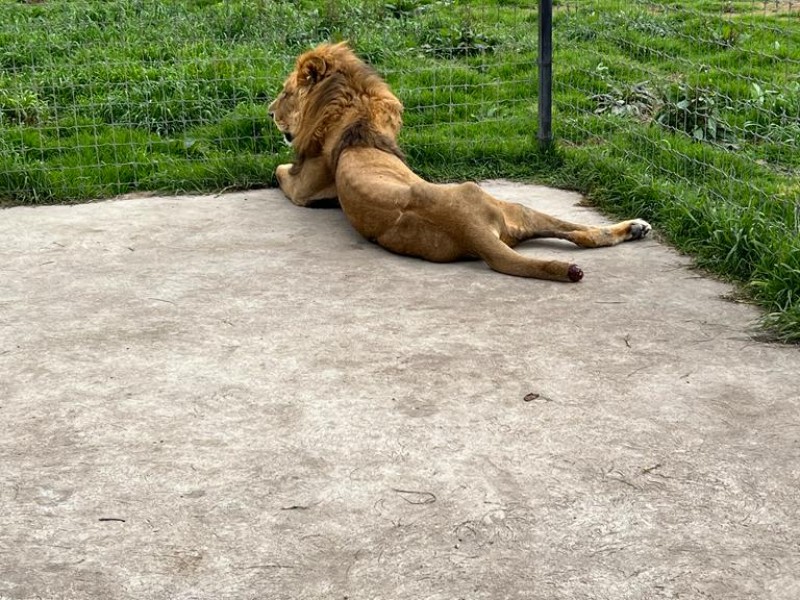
(685, 113)
(699, 132)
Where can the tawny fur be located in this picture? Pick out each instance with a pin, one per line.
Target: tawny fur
(342, 121)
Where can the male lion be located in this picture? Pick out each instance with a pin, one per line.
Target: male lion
(342, 121)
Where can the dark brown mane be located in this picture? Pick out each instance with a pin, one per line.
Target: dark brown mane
(338, 83)
(361, 134)
(326, 102)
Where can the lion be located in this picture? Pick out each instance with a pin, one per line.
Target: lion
(342, 121)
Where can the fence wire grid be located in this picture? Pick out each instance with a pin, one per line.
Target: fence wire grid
(705, 94)
(104, 98)
(694, 107)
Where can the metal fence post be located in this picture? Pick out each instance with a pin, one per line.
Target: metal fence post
(545, 61)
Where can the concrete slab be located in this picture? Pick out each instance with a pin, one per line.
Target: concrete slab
(230, 397)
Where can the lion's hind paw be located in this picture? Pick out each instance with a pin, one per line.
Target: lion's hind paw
(638, 229)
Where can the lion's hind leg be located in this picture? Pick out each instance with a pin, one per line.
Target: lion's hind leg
(611, 235)
(474, 222)
(524, 223)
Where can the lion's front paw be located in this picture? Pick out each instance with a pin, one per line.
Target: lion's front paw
(282, 174)
(638, 229)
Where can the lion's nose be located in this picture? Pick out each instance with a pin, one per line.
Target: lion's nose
(271, 114)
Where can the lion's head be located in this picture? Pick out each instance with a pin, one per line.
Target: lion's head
(329, 88)
(285, 109)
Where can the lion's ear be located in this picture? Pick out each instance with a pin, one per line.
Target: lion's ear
(312, 70)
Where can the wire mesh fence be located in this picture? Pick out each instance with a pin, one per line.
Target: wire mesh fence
(695, 87)
(102, 98)
(694, 107)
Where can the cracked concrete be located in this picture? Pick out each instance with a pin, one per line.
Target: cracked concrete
(228, 397)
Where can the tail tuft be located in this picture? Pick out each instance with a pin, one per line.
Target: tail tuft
(574, 273)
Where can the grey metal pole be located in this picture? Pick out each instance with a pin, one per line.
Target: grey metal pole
(545, 62)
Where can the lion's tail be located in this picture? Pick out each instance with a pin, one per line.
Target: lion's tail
(504, 259)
